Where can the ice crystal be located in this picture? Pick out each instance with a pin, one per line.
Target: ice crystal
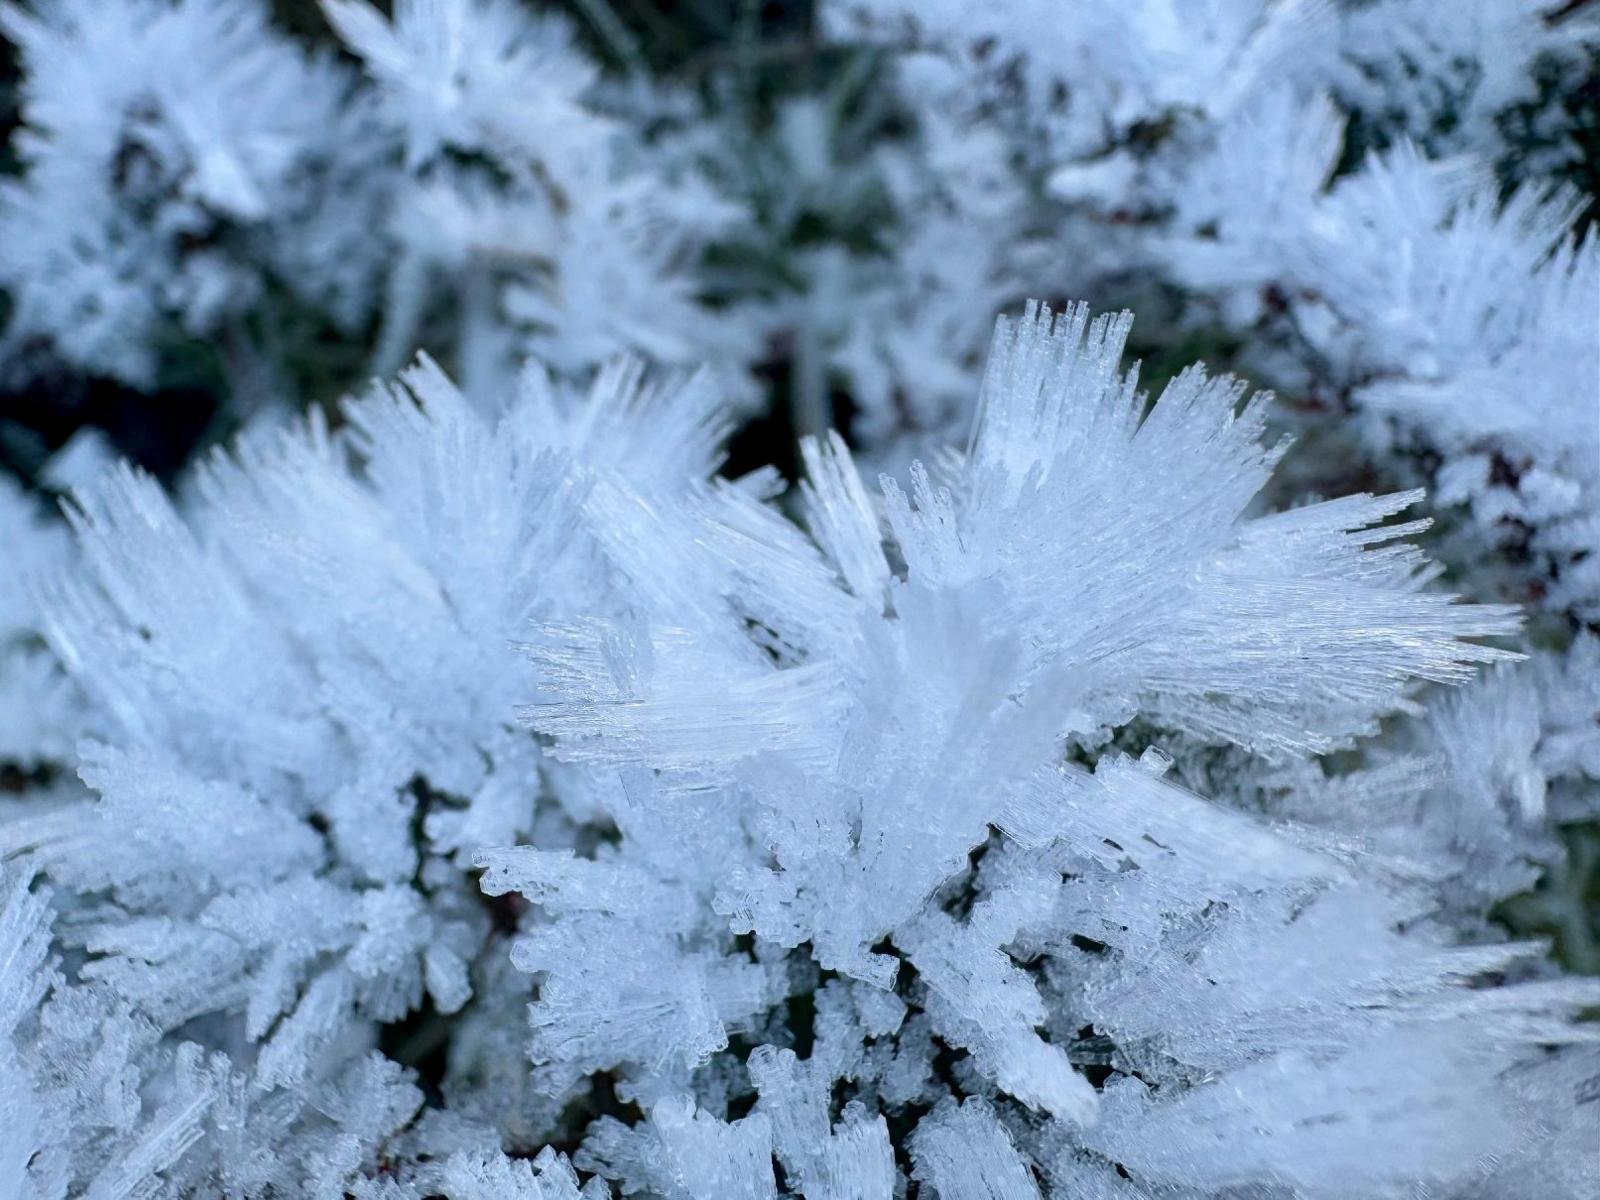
(475, 788)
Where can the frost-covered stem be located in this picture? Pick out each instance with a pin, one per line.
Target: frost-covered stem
(248, 384)
(808, 390)
(405, 292)
(614, 33)
(476, 342)
(249, 374)
(1566, 11)
(749, 24)
(747, 46)
(1564, 908)
(787, 52)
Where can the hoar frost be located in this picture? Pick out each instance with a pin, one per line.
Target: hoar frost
(474, 790)
(803, 851)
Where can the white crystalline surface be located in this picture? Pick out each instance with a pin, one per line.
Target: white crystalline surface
(473, 790)
(725, 855)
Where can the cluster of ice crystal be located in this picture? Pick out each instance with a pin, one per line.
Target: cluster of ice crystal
(179, 159)
(481, 188)
(796, 871)
(1210, 147)
(524, 203)
(183, 162)
(471, 792)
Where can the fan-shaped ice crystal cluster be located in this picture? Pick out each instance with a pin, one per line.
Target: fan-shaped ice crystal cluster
(802, 882)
